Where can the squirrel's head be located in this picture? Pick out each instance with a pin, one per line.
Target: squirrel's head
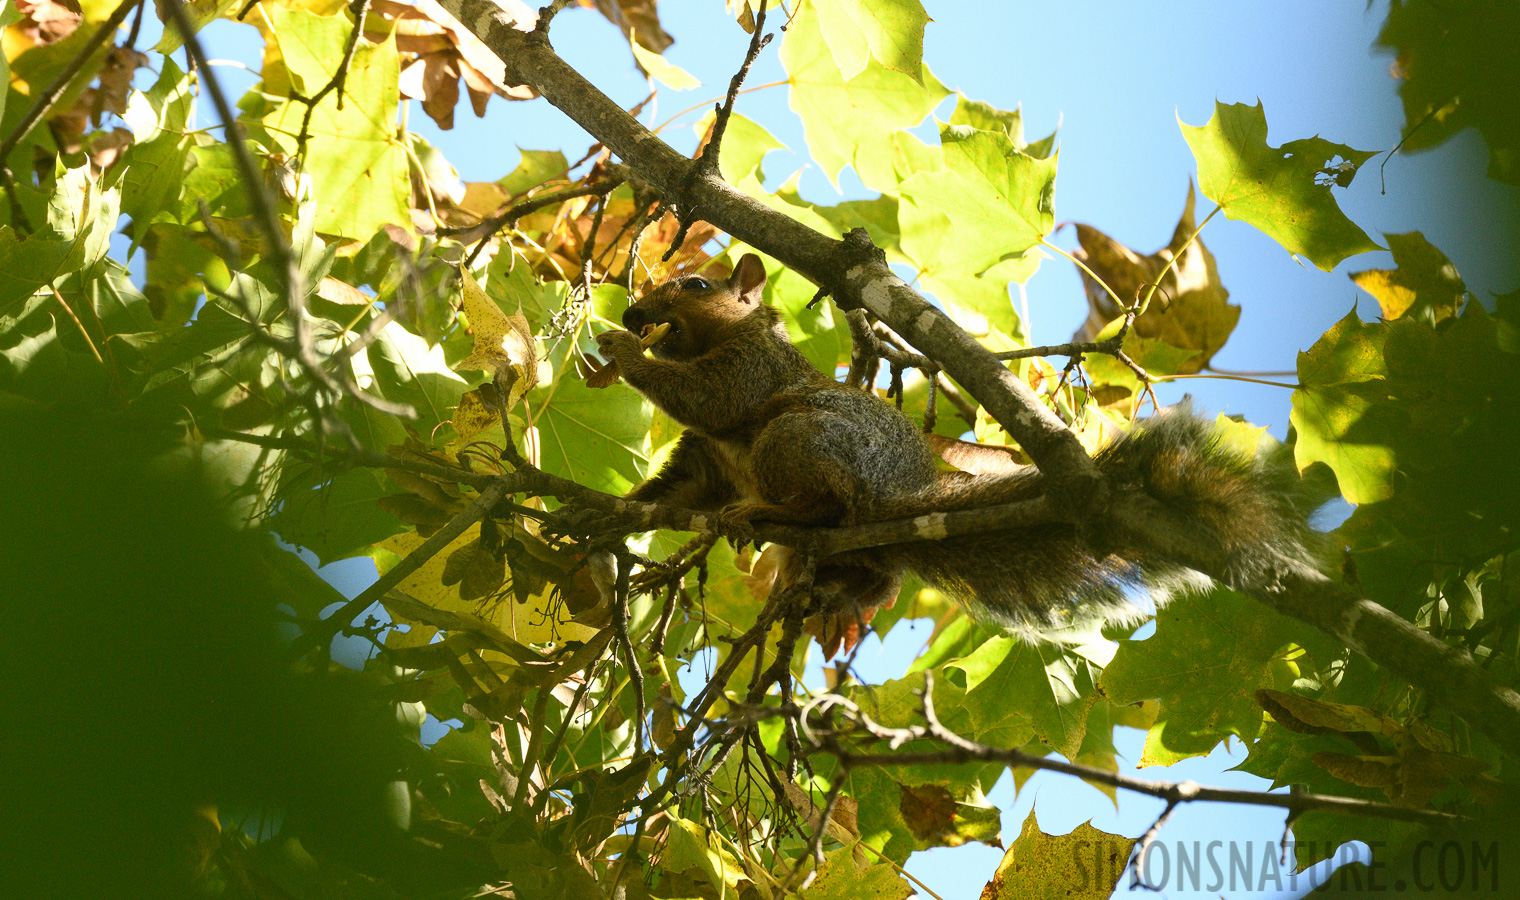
(698, 309)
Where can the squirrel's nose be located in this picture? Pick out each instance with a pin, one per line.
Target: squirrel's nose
(634, 319)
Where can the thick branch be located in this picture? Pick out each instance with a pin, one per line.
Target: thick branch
(852, 271)
(1448, 674)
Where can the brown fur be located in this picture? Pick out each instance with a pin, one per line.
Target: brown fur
(770, 438)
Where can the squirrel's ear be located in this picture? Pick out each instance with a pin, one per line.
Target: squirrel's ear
(749, 279)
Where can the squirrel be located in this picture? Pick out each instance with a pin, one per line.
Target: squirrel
(771, 438)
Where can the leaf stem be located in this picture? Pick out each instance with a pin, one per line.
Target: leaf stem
(1228, 378)
(1171, 263)
(1090, 273)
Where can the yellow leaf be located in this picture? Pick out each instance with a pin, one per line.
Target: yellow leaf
(660, 70)
(533, 622)
(504, 345)
(1083, 865)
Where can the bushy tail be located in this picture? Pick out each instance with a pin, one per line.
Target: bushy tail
(1252, 503)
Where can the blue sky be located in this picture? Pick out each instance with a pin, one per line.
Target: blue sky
(1115, 76)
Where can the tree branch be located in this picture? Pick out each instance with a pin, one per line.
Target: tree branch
(50, 95)
(961, 750)
(857, 275)
(852, 270)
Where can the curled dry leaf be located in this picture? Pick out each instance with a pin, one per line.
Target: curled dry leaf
(635, 17)
(1189, 309)
(504, 345)
(334, 291)
(663, 718)
(843, 825)
(106, 147)
(442, 51)
(976, 459)
(46, 21)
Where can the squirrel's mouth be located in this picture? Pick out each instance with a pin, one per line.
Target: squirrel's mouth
(659, 330)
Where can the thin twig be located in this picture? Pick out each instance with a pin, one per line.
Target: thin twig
(326, 628)
(815, 840)
(1136, 865)
(552, 750)
(50, 96)
(546, 15)
(620, 631)
(488, 228)
(707, 164)
(339, 78)
(302, 348)
(961, 750)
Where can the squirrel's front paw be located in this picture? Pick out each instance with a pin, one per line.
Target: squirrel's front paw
(617, 343)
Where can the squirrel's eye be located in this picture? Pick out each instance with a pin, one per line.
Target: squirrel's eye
(696, 283)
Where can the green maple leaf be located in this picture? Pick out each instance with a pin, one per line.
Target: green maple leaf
(593, 437)
(1082, 865)
(1052, 688)
(851, 122)
(1209, 655)
(359, 171)
(1338, 413)
(1000, 199)
(1424, 284)
(888, 31)
(1284, 191)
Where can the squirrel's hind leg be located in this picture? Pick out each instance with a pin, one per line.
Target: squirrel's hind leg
(806, 471)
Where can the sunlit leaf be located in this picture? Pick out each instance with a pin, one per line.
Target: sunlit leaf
(851, 122)
(1424, 284)
(1083, 865)
(661, 69)
(1284, 191)
(1001, 201)
(889, 31)
(359, 171)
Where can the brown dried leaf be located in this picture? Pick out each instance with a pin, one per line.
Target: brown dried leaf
(478, 85)
(440, 86)
(1308, 716)
(1188, 311)
(635, 16)
(418, 21)
(976, 459)
(458, 562)
(928, 810)
(334, 291)
(414, 510)
(46, 21)
(662, 725)
(843, 822)
(106, 147)
(483, 577)
(115, 82)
